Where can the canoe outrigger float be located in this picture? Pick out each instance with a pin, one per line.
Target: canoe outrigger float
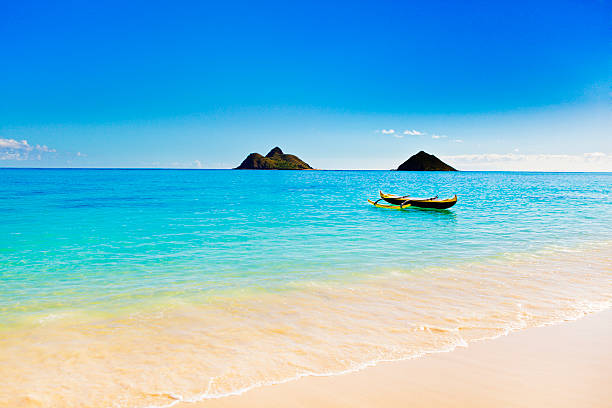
(402, 202)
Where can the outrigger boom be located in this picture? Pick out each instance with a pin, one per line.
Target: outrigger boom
(393, 207)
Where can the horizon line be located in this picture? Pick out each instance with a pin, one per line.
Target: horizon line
(257, 170)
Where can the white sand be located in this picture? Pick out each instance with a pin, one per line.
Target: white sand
(566, 365)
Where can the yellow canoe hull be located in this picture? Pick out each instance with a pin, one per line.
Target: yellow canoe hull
(431, 203)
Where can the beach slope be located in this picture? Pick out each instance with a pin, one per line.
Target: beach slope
(565, 365)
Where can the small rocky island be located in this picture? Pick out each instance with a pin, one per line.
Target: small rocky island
(424, 162)
(275, 160)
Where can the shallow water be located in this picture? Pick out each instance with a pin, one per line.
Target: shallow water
(133, 288)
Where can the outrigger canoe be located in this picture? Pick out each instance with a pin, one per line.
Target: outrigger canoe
(401, 202)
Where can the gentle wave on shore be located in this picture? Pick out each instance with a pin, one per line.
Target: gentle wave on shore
(192, 351)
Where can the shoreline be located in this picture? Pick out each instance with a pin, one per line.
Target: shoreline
(284, 349)
(566, 364)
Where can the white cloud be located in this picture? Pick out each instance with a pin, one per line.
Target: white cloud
(595, 161)
(14, 144)
(11, 149)
(45, 149)
(194, 164)
(594, 155)
(400, 134)
(438, 136)
(458, 141)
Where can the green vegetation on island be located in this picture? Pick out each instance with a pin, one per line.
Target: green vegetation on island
(275, 160)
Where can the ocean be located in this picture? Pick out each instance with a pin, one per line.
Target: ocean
(148, 288)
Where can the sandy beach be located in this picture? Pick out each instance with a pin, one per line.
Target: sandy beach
(165, 240)
(564, 365)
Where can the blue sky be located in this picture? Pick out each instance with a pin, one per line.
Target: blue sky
(487, 85)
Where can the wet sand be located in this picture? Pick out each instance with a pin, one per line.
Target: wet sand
(565, 365)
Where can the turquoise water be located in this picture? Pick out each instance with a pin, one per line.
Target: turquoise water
(152, 288)
(100, 239)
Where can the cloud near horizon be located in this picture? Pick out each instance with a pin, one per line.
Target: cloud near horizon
(11, 149)
(400, 134)
(592, 161)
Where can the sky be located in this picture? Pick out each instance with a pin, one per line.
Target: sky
(508, 85)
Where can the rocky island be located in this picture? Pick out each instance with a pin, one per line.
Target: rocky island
(274, 160)
(424, 162)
